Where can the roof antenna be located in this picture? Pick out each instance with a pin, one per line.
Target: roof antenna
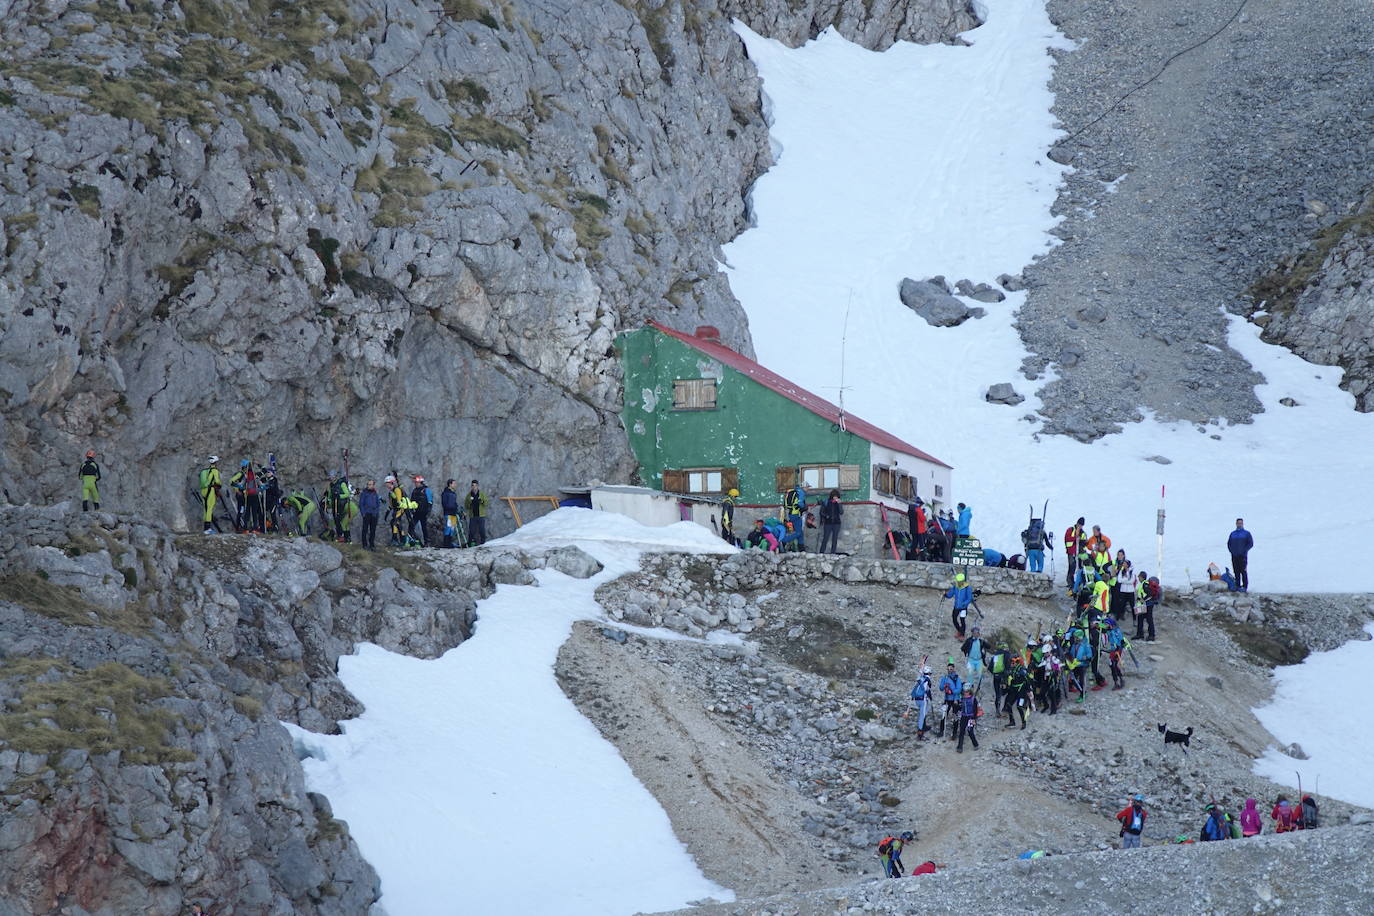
(844, 337)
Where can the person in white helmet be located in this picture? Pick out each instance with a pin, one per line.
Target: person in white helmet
(209, 490)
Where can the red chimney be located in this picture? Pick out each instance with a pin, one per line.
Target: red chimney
(709, 333)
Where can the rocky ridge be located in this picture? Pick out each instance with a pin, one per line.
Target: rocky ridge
(412, 229)
(142, 677)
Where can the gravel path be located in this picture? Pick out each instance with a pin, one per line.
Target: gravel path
(1188, 192)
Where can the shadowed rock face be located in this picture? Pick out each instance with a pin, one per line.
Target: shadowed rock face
(409, 229)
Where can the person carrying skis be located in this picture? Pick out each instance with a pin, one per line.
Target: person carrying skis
(271, 497)
(423, 498)
(962, 593)
(920, 698)
(90, 480)
(1250, 823)
(973, 648)
(1132, 819)
(949, 689)
(1307, 817)
(1283, 815)
(1074, 539)
(476, 505)
(968, 717)
(1035, 539)
(727, 517)
(209, 490)
(890, 849)
(1238, 545)
(1216, 826)
(370, 505)
(237, 484)
(1116, 643)
(1018, 692)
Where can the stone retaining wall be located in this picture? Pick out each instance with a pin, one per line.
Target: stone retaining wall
(694, 594)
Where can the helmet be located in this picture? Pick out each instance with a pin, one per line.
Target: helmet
(967, 687)
(1111, 622)
(1138, 797)
(1030, 641)
(213, 459)
(90, 453)
(960, 577)
(925, 669)
(908, 836)
(734, 492)
(243, 463)
(390, 479)
(334, 473)
(419, 479)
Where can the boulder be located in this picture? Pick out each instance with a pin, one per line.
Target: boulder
(980, 291)
(935, 305)
(1003, 393)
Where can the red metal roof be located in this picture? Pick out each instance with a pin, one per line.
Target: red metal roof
(795, 393)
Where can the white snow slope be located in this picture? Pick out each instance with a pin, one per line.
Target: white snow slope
(1334, 734)
(926, 160)
(474, 786)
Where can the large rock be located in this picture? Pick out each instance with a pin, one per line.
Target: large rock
(932, 302)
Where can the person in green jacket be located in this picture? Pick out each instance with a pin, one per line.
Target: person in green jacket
(304, 507)
(90, 479)
(476, 505)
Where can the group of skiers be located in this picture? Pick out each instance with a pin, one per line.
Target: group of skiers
(262, 505)
(1107, 584)
(1219, 823)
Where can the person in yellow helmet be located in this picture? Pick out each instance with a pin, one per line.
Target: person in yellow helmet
(90, 480)
(209, 490)
(727, 517)
(962, 593)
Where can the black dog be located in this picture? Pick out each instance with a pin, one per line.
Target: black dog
(1179, 738)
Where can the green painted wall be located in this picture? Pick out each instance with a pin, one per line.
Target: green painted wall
(752, 428)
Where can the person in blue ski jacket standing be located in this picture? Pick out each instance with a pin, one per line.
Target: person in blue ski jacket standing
(949, 689)
(1239, 544)
(920, 698)
(965, 518)
(962, 593)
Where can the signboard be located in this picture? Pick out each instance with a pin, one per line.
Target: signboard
(968, 552)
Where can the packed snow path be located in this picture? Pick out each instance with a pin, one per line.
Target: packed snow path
(927, 160)
(473, 785)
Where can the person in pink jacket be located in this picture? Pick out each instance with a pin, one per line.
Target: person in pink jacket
(1250, 823)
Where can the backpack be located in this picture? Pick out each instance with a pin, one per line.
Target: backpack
(1034, 536)
(1234, 826)
(1309, 814)
(885, 847)
(205, 479)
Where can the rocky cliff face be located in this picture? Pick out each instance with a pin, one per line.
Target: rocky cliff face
(141, 679)
(1320, 302)
(410, 229)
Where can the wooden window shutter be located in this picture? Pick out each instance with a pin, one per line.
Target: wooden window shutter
(877, 478)
(785, 478)
(849, 477)
(729, 479)
(675, 481)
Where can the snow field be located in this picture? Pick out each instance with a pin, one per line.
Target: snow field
(474, 785)
(926, 160)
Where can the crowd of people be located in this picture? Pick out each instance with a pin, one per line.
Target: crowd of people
(259, 503)
(1220, 824)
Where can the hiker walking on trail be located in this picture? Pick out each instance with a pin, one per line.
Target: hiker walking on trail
(920, 698)
(973, 649)
(90, 480)
(949, 689)
(1250, 823)
(370, 507)
(962, 593)
(1239, 544)
(476, 505)
(831, 512)
(1000, 666)
(968, 718)
(1132, 819)
(1018, 692)
(1116, 642)
(209, 490)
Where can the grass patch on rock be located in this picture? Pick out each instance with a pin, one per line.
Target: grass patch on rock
(1268, 645)
(828, 647)
(102, 709)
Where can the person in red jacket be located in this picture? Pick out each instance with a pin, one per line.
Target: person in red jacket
(1073, 538)
(1283, 815)
(1132, 819)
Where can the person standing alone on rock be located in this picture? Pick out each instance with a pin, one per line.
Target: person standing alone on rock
(90, 478)
(1239, 544)
(965, 520)
(831, 513)
(1132, 819)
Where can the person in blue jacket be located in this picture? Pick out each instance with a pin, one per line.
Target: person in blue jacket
(1215, 828)
(993, 557)
(974, 647)
(965, 516)
(962, 593)
(920, 698)
(1239, 544)
(370, 505)
(949, 690)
